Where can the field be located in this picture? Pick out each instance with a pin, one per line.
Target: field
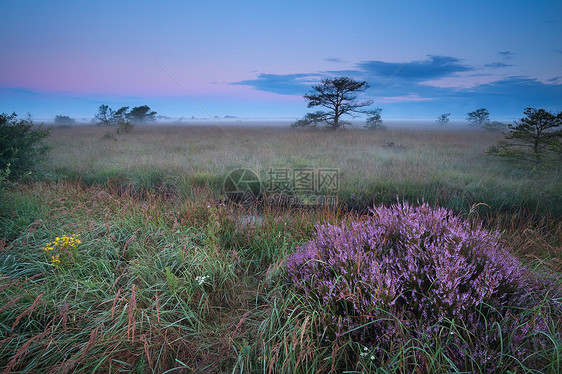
(170, 276)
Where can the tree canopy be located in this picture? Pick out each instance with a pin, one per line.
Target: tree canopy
(540, 132)
(479, 116)
(141, 114)
(339, 97)
(109, 117)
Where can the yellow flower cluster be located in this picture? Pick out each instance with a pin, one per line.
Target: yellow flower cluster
(64, 245)
(55, 259)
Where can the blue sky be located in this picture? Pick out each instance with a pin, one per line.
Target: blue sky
(257, 58)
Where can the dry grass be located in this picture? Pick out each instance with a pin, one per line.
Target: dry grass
(445, 167)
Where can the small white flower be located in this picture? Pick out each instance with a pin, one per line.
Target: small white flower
(372, 357)
(201, 279)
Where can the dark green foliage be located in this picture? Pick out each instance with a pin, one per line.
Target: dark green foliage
(374, 121)
(120, 113)
(109, 117)
(64, 120)
(494, 126)
(339, 96)
(141, 114)
(535, 137)
(310, 120)
(443, 119)
(20, 144)
(479, 117)
(122, 119)
(104, 115)
(124, 126)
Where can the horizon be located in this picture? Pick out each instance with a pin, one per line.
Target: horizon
(257, 60)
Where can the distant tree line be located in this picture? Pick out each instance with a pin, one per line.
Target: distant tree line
(123, 118)
(64, 120)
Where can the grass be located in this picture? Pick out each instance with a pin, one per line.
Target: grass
(445, 167)
(171, 279)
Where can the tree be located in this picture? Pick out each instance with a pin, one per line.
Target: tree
(104, 115)
(141, 114)
(20, 144)
(124, 125)
(64, 120)
(494, 126)
(120, 114)
(339, 97)
(541, 131)
(374, 121)
(310, 120)
(479, 116)
(443, 119)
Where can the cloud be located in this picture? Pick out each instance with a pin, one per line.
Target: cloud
(285, 84)
(497, 65)
(432, 68)
(378, 73)
(506, 54)
(334, 59)
(512, 95)
(432, 85)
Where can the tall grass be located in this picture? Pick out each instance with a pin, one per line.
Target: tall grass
(158, 283)
(170, 277)
(449, 168)
(165, 284)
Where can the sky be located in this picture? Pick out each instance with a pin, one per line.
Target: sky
(256, 59)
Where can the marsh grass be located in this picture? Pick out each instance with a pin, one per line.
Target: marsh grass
(449, 168)
(172, 278)
(159, 283)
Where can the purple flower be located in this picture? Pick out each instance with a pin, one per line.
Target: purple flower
(421, 266)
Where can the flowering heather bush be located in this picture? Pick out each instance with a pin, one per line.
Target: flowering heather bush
(416, 274)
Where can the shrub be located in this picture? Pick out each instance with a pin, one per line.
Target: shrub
(124, 126)
(20, 144)
(374, 121)
(416, 274)
(64, 120)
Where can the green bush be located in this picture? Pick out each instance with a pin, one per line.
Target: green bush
(124, 126)
(20, 144)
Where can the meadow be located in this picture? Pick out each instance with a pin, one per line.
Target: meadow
(156, 271)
